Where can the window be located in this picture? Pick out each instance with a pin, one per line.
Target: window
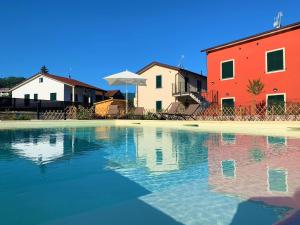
(158, 81)
(227, 69)
(275, 61)
(276, 104)
(36, 97)
(52, 96)
(276, 140)
(158, 106)
(277, 180)
(26, 99)
(228, 138)
(159, 156)
(41, 80)
(228, 106)
(228, 168)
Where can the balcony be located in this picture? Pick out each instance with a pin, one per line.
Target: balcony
(183, 89)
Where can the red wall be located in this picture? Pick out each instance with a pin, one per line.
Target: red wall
(250, 64)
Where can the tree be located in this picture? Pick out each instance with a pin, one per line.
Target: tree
(9, 82)
(255, 88)
(44, 70)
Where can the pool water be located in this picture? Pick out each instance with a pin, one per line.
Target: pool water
(147, 175)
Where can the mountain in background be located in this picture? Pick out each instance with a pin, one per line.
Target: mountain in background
(9, 82)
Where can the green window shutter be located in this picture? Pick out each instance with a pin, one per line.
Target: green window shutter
(275, 61)
(52, 96)
(276, 104)
(158, 81)
(227, 70)
(35, 97)
(228, 107)
(227, 103)
(26, 99)
(158, 106)
(277, 180)
(228, 168)
(159, 156)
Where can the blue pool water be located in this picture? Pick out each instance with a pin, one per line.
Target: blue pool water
(147, 175)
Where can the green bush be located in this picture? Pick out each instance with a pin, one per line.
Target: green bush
(85, 113)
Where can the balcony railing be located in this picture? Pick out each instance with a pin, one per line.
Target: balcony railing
(183, 88)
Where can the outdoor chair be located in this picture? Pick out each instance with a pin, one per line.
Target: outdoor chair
(170, 112)
(190, 112)
(113, 111)
(138, 113)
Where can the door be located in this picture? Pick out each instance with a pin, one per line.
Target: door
(228, 107)
(186, 82)
(276, 104)
(199, 86)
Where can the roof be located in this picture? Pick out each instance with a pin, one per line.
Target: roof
(68, 81)
(167, 66)
(265, 34)
(111, 93)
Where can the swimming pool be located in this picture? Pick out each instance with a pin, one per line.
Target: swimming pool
(146, 175)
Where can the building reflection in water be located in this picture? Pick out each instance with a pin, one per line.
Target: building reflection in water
(164, 149)
(254, 167)
(48, 145)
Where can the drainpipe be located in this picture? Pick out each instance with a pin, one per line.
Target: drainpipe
(73, 94)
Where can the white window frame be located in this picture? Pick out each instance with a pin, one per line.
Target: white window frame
(221, 72)
(284, 94)
(266, 61)
(286, 180)
(234, 163)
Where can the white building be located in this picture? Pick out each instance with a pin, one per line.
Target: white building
(57, 88)
(4, 92)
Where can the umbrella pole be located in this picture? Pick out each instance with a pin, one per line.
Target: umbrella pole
(126, 100)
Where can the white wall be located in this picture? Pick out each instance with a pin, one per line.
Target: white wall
(42, 89)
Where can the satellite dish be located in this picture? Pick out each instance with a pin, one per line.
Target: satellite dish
(277, 20)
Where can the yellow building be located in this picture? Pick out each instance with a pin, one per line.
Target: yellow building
(167, 84)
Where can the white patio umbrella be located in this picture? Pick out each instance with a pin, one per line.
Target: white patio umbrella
(126, 78)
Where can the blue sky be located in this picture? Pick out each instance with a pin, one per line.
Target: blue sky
(94, 38)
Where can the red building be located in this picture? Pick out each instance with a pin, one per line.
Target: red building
(272, 56)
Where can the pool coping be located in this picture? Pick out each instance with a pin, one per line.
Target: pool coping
(276, 128)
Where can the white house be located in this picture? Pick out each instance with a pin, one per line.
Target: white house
(167, 84)
(4, 92)
(56, 88)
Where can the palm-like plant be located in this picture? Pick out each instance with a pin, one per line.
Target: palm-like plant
(255, 87)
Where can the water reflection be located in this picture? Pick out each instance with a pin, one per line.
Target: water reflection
(260, 168)
(165, 150)
(45, 146)
(224, 178)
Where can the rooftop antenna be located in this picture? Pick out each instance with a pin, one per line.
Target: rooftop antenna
(69, 73)
(277, 20)
(180, 64)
